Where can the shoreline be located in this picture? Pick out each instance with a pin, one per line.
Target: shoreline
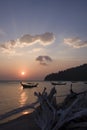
(24, 122)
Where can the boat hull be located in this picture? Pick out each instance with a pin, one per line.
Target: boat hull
(29, 85)
(58, 83)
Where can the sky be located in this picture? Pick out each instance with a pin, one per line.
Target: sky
(39, 37)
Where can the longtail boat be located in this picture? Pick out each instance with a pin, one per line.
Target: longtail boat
(25, 85)
(59, 83)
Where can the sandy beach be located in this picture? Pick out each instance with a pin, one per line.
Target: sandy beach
(25, 122)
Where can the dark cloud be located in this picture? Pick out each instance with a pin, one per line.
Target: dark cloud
(27, 40)
(44, 60)
(75, 42)
(44, 39)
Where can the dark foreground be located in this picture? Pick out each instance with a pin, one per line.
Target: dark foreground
(25, 122)
(70, 115)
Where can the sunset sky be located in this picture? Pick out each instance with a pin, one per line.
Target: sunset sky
(38, 37)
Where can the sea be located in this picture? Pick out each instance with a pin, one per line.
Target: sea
(13, 96)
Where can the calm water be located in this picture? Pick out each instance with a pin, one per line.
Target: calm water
(13, 96)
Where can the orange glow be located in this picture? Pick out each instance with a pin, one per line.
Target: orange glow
(22, 73)
(25, 112)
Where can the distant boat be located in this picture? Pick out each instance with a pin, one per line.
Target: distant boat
(59, 83)
(29, 85)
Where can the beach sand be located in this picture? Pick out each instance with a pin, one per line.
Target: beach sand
(25, 122)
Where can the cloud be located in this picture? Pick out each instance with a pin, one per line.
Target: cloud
(11, 52)
(8, 47)
(75, 42)
(27, 40)
(43, 39)
(44, 60)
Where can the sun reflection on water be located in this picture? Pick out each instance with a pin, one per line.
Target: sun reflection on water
(25, 112)
(23, 98)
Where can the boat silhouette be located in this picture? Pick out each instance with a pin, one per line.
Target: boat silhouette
(58, 83)
(28, 85)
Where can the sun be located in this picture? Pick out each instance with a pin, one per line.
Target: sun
(22, 73)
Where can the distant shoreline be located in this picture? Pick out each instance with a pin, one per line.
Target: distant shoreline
(78, 73)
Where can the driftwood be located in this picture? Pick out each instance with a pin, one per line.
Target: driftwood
(49, 117)
(46, 110)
